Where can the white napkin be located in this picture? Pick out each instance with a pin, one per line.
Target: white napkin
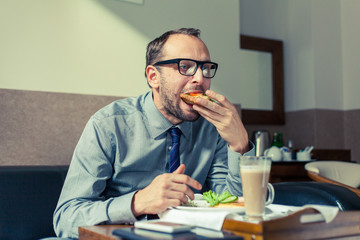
(326, 213)
(206, 219)
(273, 211)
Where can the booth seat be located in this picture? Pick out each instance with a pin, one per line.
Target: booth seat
(29, 194)
(28, 197)
(304, 193)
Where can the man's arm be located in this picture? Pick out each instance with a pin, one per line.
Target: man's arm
(226, 119)
(82, 201)
(224, 174)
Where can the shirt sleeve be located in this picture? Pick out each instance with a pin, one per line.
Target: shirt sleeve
(82, 202)
(224, 174)
(234, 185)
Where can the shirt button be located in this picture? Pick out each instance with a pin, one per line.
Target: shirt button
(169, 148)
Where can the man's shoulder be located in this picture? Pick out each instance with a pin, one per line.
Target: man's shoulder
(121, 107)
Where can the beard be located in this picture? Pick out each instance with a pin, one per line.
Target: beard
(170, 101)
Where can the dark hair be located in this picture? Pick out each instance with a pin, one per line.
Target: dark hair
(154, 48)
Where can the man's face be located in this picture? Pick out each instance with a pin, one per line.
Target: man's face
(172, 83)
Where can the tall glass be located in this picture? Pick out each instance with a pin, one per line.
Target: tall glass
(255, 172)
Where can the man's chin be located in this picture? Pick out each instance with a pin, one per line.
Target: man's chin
(192, 119)
(193, 116)
(187, 112)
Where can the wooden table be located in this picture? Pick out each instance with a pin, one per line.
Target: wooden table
(288, 171)
(346, 225)
(100, 232)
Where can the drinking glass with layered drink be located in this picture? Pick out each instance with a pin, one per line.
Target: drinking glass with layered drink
(257, 190)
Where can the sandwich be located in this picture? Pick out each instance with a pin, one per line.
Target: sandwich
(237, 203)
(190, 98)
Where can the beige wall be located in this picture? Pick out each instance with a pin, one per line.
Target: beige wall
(98, 46)
(69, 46)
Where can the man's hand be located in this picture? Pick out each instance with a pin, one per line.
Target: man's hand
(166, 190)
(226, 120)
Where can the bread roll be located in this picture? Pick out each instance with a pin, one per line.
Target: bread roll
(191, 99)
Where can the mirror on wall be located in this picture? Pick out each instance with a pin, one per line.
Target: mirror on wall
(277, 114)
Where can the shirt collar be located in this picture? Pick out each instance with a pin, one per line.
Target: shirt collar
(158, 124)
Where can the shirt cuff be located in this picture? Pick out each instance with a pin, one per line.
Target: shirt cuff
(119, 209)
(251, 152)
(233, 158)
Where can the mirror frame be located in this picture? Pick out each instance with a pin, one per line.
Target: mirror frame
(275, 116)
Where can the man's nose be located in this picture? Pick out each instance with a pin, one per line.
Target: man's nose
(198, 76)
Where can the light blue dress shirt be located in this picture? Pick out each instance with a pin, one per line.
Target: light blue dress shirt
(123, 147)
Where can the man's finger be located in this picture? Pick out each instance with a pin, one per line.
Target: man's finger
(218, 97)
(181, 178)
(184, 179)
(180, 169)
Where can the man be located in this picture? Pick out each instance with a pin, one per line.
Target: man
(120, 170)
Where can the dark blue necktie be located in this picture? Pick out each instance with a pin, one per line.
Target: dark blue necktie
(174, 161)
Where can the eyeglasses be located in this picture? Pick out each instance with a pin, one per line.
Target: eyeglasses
(188, 67)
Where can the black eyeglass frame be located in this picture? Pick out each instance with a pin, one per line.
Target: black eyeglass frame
(198, 63)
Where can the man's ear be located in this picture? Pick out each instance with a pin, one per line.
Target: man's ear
(153, 76)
